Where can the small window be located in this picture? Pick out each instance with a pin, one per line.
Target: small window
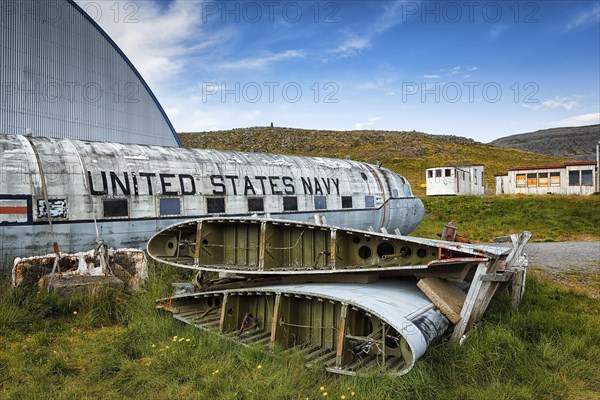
(521, 180)
(543, 179)
(320, 203)
(448, 172)
(347, 201)
(115, 208)
(215, 205)
(290, 204)
(586, 177)
(475, 177)
(481, 178)
(430, 173)
(438, 173)
(554, 178)
(256, 204)
(370, 201)
(531, 180)
(574, 178)
(170, 206)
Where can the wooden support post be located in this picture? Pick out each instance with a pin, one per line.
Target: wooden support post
(198, 244)
(332, 249)
(518, 286)
(223, 313)
(261, 245)
(339, 353)
(275, 320)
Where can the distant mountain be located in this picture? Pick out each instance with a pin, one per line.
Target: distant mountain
(408, 153)
(576, 142)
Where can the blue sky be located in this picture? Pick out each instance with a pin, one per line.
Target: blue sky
(476, 69)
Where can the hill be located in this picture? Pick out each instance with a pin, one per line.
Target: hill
(408, 153)
(575, 142)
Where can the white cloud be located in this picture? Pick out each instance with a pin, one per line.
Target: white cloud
(156, 39)
(585, 18)
(370, 121)
(567, 103)
(351, 47)
(263, 60)
(578, 120)
(431, 76)
(388, 19)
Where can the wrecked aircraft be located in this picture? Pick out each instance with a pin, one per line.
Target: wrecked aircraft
(349, 300)
(72, 192)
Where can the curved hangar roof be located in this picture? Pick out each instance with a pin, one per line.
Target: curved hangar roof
(62, 76)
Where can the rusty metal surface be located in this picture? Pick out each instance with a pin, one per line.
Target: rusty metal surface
(255, 246)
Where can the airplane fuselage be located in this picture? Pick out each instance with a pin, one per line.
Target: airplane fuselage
(61, 190)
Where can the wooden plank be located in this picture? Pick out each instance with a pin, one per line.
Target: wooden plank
(223, 311)
(469, 304)
(447, 297)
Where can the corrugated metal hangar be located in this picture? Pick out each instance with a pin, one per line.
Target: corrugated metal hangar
(62, 76)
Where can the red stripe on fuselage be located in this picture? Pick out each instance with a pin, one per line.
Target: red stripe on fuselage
(13, 210)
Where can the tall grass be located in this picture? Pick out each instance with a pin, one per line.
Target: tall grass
(119, 346)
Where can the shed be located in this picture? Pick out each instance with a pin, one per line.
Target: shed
(452, 180)
(568, 178)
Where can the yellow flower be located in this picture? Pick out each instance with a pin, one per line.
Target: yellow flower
(182, 339)
(352, 394)
(174, 337)
(153, 345)
(215, 372)
(187, 340)
(166, 347)
(324, 394)
(259, 366)
(322, 388)
(342, 397)
(75, 312)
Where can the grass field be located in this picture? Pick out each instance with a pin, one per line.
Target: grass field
(118, 346)
(480, 218)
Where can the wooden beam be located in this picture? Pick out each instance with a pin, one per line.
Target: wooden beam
(498, 276)
(447, 297)
(223, 313)
(275, 319)
(339, 353)
(469, 304)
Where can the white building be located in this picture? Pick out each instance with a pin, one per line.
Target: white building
(569, 178)
(455, 180)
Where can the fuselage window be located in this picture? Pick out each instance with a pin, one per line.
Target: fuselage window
(115, 208)
(170, 206)
(346, 201)
(256, 204)
(290, 203)
(369, 201)
(320, 203)
(215, 205)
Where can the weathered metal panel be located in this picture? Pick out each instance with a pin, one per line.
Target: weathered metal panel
(397, 304)
(82, 180)
(62, 76)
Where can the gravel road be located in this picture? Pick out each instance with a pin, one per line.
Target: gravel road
(564, 256)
